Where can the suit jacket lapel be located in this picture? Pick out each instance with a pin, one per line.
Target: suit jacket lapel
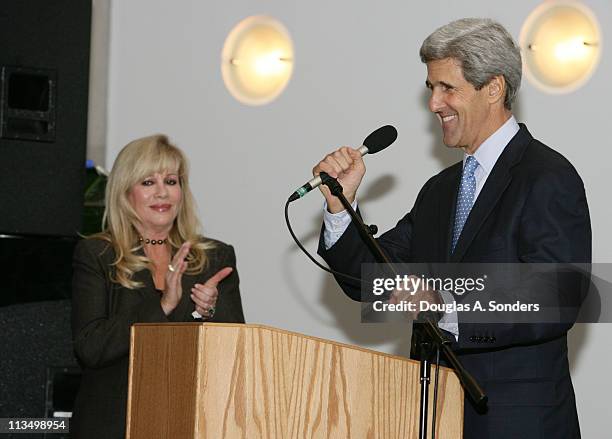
(496, 184)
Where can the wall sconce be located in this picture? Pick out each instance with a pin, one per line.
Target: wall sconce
(257, 60)
(561, 45)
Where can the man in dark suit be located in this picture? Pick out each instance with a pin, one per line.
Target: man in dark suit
(511, 200)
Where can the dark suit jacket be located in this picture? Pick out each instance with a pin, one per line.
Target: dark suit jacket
(531, 209)
(103, 313)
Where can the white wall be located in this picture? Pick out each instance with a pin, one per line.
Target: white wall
(98, 80)
(357, 68)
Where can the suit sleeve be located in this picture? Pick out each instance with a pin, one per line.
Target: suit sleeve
(349, 252)
(102, 335)
(555, 231)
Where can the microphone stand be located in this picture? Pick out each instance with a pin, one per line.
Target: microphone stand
(428, 335)
(430, 340)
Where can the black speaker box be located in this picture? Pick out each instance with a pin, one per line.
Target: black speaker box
(36, 345)
(44, 75)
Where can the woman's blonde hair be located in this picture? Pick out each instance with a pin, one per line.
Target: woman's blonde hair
(138, 160)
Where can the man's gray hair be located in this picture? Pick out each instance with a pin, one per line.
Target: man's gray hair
(483, 47)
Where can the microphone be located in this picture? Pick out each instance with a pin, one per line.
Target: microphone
(375, 142)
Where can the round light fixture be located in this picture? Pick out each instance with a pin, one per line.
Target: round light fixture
(257, 60)
(561, 45)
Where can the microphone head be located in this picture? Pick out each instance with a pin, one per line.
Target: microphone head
(380, 139)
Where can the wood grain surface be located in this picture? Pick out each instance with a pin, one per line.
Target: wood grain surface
(251, 381)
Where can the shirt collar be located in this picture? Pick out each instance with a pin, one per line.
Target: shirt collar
(490, 150)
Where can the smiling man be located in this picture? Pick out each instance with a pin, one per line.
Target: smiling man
(511, 200)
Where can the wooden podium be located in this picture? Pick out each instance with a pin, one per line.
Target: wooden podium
(214, 381)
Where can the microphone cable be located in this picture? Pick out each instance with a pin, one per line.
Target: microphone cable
(317, 263)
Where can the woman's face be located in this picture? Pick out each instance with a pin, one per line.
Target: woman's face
(157, 199)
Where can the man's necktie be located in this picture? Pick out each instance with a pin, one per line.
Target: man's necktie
(465, 199)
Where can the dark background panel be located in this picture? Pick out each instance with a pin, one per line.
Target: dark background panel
(39, 371)
(42, 200)
(42, 182)
(35, 269)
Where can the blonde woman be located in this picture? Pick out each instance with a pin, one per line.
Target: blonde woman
(148, 265)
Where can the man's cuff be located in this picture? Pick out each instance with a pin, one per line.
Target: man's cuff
(449, 321)
(335, 225)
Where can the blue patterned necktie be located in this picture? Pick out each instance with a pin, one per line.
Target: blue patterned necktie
(465, 199)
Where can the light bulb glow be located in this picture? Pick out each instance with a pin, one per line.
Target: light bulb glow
(573, 49)
(269, 64)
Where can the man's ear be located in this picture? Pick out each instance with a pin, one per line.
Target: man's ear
(496, 89)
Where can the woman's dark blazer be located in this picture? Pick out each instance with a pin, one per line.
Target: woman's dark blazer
(102, 314)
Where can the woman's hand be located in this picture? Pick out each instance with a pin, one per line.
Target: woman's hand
(205, 295)
(173, 290)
